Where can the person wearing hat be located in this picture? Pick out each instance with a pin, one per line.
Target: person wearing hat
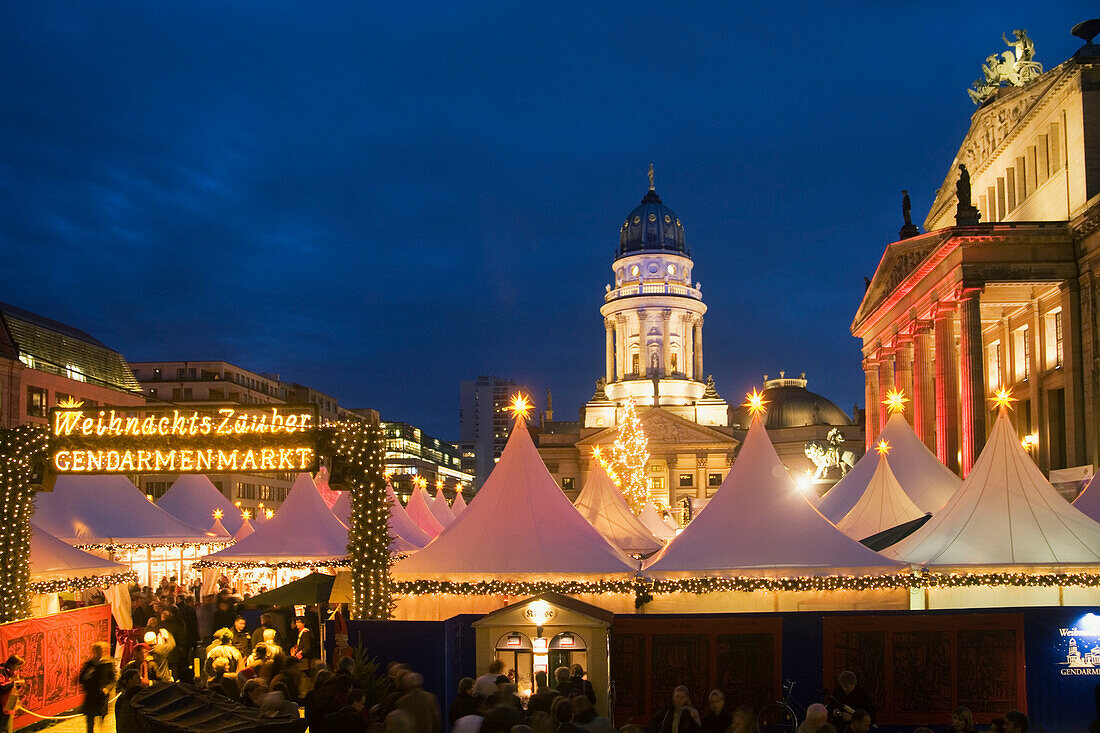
(139, 661)
(222, 648)
(303, 647)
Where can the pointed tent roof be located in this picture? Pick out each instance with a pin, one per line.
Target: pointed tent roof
(440, 510)
(1088, 501)
(603, 505)
(86, 510)
(245, 530)
(1005, 513)
(193, 499)
(883, 505)
(399, 523)
(303, 529)
(759, 520)
(328, 495)
(217, 528)
(651, 520)
(458, 505)
(419, 510)
(521, 525)
(54, 559)
(928, 482)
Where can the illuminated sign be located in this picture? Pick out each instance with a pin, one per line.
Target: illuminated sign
(1082, 649)
(103, 440)
(539, 612)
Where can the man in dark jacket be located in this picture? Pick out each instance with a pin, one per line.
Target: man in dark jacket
(258, 633)
(241, 638)
(544, 696)
(180, 656)
(97, 674)
(125, 718)
(846, 699)
(585, 687)
(303, 646)
(466, 704)
(348, 719)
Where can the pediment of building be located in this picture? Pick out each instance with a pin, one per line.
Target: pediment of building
(663, 427)
(900, 261)
(993, 126)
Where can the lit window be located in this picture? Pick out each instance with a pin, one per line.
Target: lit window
(686, 480)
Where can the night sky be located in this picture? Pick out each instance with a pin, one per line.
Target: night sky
(382, 201)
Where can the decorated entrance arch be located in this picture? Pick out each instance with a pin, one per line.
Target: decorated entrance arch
(158, 439)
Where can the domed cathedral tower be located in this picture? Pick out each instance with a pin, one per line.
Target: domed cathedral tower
(653, 317)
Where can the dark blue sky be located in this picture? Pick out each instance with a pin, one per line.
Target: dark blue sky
(383, 201)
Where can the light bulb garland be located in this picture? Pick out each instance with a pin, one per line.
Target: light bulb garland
(357, 449)
(628, 460)
(21, 449)
(273, 564)
(75, 585)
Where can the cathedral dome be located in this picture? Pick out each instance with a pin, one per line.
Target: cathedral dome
(652, 227)
(790, 405)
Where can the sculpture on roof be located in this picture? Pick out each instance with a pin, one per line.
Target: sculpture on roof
(1016, 68)
(831, 455)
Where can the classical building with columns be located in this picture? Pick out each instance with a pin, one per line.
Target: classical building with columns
(653, 316)
(1002, 288)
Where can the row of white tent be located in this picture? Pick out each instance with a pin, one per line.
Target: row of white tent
(1005, 513)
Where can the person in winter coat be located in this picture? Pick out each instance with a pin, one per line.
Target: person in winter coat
(679, 716)
(96, 676)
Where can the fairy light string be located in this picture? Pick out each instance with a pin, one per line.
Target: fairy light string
(21, 449)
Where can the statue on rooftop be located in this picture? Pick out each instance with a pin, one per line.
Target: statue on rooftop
(1016, 68)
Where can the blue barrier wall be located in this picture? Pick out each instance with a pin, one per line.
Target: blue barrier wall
(443, 651)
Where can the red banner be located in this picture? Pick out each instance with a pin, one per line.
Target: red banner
(53, 648)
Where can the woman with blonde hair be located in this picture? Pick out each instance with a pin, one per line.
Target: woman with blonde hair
(962, 721)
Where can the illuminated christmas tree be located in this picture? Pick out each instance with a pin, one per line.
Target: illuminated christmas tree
(629, 458)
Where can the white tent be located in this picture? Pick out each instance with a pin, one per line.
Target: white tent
(1088, 501)
(401, 524)
(54, 559)
(928, 482)
(521, 525)
(245, 530)
(303, 529)
(651, 519)
(459, 504)
(193, 499)
(328, 495)
(419, 510)
(1005, 513)
(87, 510)
(440, 509)
(883, 505)
(398, 521)
(757, 521)
(603, 505)
(218, 529)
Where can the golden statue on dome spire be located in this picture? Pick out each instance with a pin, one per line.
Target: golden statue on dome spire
(650, 176)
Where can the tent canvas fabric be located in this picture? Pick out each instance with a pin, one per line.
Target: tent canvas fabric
(303, 529)
(401, 524)
(441, 510)
(54, 559)
(522, 524)
(419, 510)
(218, 529)
(1088, 501)
(928, 482)
(398, 543)
(86, 510)
(1005, 513)
(603, 505)
(883, 505)
(193, 499)
(328, 495)
(245, 530)
(458, 505)
(651, 520)
(758, 521)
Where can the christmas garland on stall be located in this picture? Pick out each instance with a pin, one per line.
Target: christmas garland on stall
(74, 585)
(22, 451)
